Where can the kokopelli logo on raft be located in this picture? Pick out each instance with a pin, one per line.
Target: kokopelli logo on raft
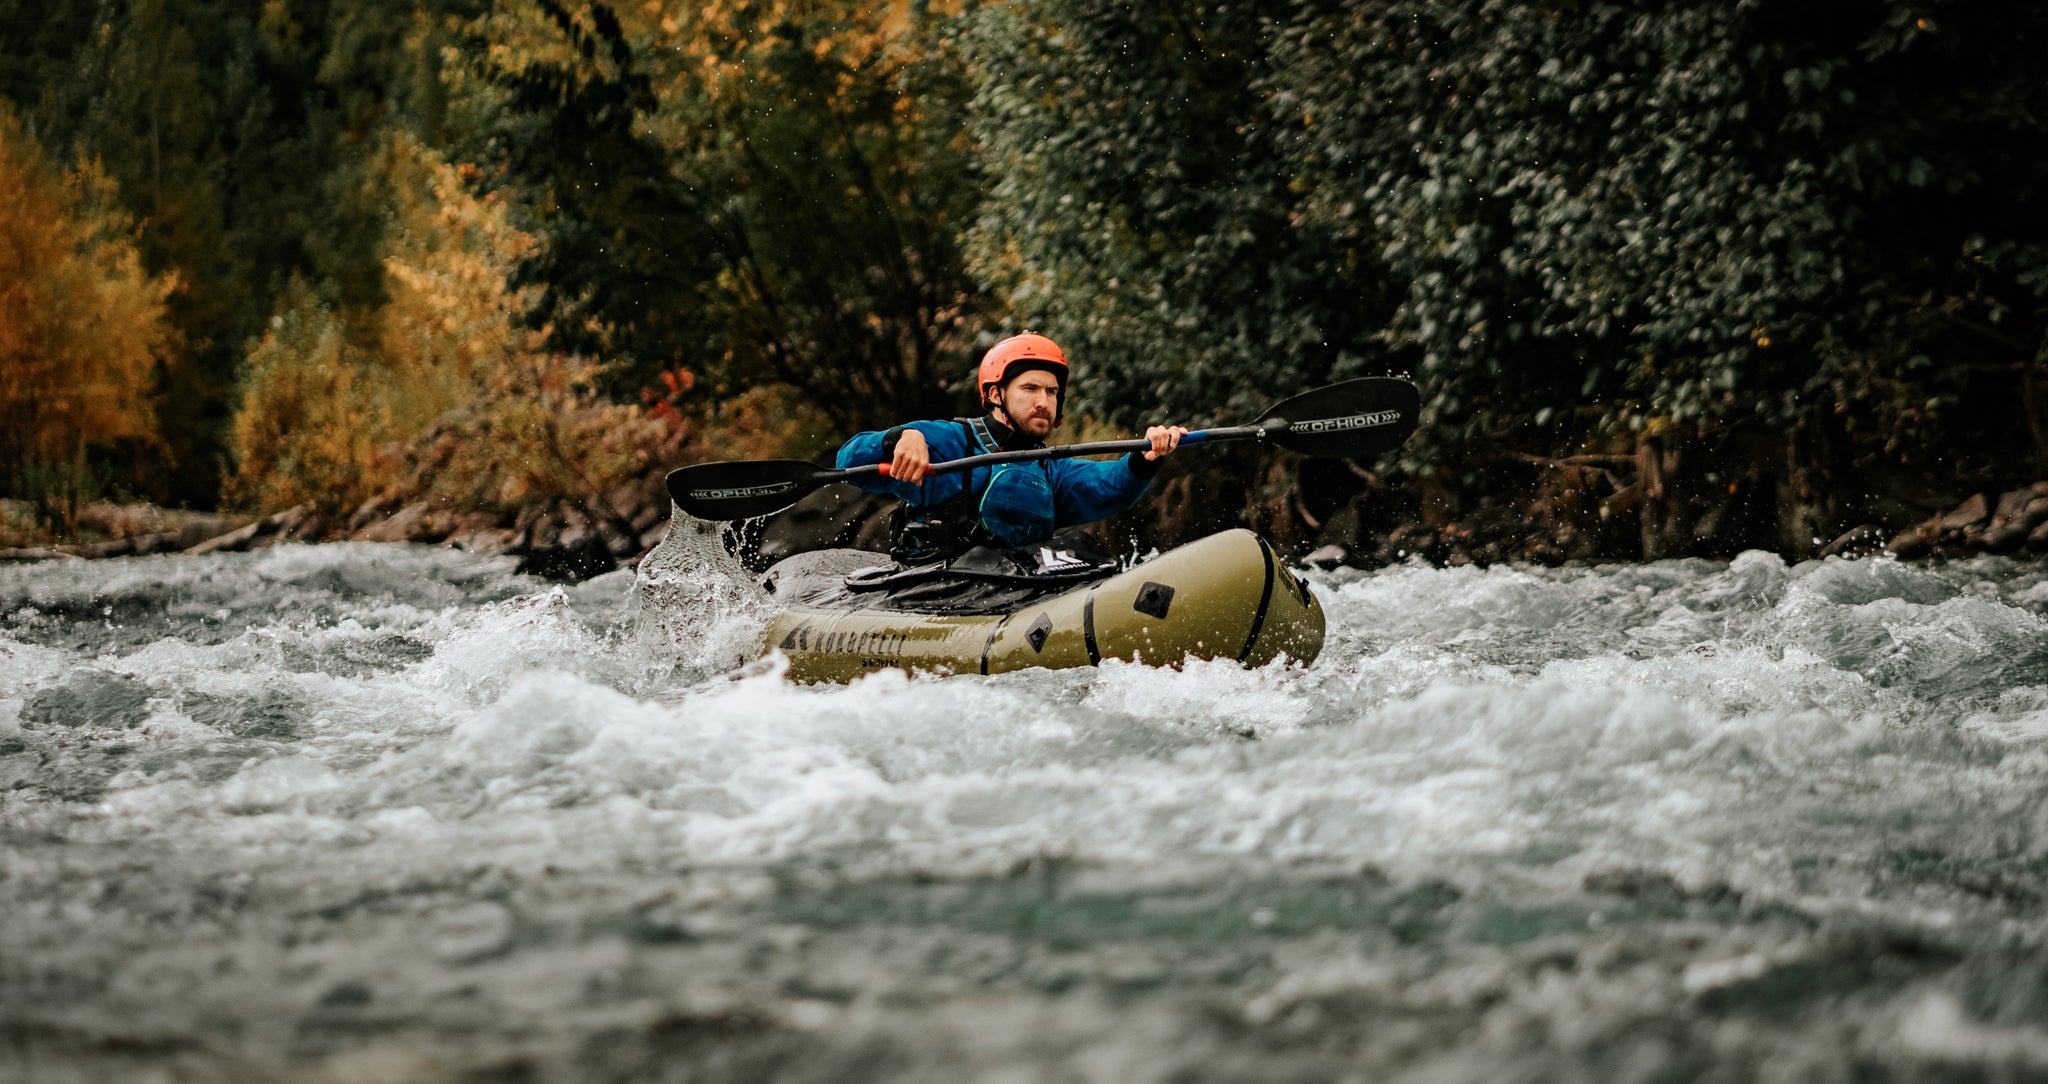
(740, 493)
(1355, 421)
(805, 638)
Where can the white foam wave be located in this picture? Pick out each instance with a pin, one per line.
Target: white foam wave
(524, 720)
(701, 612)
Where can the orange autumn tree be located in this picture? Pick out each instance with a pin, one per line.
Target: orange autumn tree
(442, 388)
(315, 411)
(333, 395)
(523, 422)
(83, 337)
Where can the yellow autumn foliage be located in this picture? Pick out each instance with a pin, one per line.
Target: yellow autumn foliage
(315, 409)
(82, 330)
(716, 54)
(441, 387)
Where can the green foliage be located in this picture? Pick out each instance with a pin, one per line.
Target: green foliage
(1143, 211)
(1697, 211)
(626, 244)
(1576, 223)
(1687, 209)
(761, 194)
(41, 38)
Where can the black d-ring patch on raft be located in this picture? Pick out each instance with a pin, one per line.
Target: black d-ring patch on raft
(1265, 600)
(1088, 629)
(1154, 599)
(1039, 632)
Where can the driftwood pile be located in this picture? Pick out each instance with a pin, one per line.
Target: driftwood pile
(142, 530)
(560, 539)
(2017, 522)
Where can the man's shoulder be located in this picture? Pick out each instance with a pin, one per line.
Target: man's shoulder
(927, 425)
(949, 430)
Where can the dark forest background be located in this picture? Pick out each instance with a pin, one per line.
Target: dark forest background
(1677, 278)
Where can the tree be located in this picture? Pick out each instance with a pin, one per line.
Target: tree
(440, 384)
(238, 136)
(1681, 206)
(765, 192)
(1701, 224)
(1691, 224)
(1142, 210)
(83, 334)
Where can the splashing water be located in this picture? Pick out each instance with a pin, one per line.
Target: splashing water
(699, 607)
(360, 812)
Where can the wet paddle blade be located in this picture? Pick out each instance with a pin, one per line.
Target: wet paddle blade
(1357, 419)
(743, 489)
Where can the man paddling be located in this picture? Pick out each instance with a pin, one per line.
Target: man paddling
(1023, 385)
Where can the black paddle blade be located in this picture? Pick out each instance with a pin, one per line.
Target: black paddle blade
(742, 490)
(1357, 419)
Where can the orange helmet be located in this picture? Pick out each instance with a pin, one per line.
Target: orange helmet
(1020, 352)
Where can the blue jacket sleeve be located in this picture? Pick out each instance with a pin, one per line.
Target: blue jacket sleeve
(946, 442)
(1085, 490)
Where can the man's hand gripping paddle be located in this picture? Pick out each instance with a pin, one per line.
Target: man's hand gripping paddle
(1356, 419)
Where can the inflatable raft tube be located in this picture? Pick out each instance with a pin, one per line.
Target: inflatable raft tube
(1227, 596)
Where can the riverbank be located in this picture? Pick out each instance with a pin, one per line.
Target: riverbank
(558, 539)
(571, 540)
(2011, 522)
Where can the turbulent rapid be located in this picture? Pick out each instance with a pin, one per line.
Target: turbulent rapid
(386, 812)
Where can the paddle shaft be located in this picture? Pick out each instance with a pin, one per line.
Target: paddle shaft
(1257, 431)
(1366, 416)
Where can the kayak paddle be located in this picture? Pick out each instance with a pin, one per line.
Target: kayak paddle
(1352, 420)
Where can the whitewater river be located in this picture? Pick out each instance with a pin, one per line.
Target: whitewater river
(377, 813)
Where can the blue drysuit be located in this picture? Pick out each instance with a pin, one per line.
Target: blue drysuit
(1007, 504)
